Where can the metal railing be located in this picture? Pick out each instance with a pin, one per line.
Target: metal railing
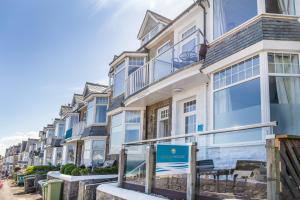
(178, 56)
(217, 131)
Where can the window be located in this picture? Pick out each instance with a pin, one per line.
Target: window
(189, 113)
(61, 130)
(239, 103)
(71, 121)
(286, 7)
(283, 63)
(116, 133)
(163, 122)
(188, 32)
(284, 87)
(119, 80)
(134, 64)
(229, 14)
(132, 127)
(239, 72)
(101, 108)
(98, 151)
(90, 113)
(71, 154)
(164, 48)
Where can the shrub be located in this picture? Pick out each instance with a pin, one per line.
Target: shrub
(68, 169)
(75, 172)
(84, 171)
(40, 169)
(111, 170)
(63, 167)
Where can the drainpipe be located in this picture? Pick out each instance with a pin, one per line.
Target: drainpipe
(200, 3)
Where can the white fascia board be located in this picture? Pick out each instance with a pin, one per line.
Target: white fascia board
(58, 175)
(124, 55)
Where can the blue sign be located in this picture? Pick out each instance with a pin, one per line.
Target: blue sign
(200, 128)
(172, 159)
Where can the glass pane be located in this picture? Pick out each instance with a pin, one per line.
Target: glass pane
(132, 133)
(101, 100)
(90, 113)
(229, 14)
(237, 105)
(190, 124)
(133, 117)
(98, 144)
(101, 114)
(119, 83)
(286, 7)
(285, 104)
(116, 140)
(240, 136)
(116, 120)
(98, 155)
(189, 106)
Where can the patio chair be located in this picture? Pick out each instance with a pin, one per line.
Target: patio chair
(109, 163)
(206, 167)
(245, 169)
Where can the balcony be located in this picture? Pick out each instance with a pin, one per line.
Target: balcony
(182, 54)
(77, 130)
(69, 133)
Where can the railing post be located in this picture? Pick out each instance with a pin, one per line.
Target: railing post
(149, 168)
(121, 166)
(273, 174)
(191, 176)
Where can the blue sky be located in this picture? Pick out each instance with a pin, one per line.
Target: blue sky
(50, 48)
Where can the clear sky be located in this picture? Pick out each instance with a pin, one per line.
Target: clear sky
(50, 48)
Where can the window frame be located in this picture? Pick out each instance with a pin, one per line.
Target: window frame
(95, 104)
(116, 71)
(263, 96)
(189, 113)
(159, 119)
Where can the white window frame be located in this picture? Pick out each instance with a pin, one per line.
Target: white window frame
(190, 113)
(159, 119)
(94, 102)
(162, 46)
(124, 63)
(92, 148)
(188, 38)
(264, 92)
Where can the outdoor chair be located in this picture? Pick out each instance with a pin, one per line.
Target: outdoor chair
(246, 169)
(108, 163)
(206, 167)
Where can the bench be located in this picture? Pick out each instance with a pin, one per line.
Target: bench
(246, 169)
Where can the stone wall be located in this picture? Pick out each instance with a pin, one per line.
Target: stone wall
(87, 189)
(105, 196)
(151, 118)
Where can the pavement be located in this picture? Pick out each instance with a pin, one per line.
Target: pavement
(11, 191)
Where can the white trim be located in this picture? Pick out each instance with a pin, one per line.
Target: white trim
(121, 109)
(57, 174)
(161, 46)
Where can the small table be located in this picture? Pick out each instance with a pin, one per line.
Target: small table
(216, 173)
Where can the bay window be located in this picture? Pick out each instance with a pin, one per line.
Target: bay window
(116, 133)
(94, 152)
(96, 110)
(229, 14)
(71, 120)
(284, 87)
(125, 127)
(135, 63)
(61, 130)
(237, 101)
(132, 126)
(286, 7)
(119, 79)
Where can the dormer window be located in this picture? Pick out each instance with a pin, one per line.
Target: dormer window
(72, 120)
(96, 111)
(229, 14)
(152, 33)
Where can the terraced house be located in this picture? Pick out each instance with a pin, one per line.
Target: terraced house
(86, 132)
(219, 64)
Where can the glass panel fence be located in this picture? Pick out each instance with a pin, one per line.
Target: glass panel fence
(233, 168)
(135, 167)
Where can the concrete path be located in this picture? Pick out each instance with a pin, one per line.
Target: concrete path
(10, 191)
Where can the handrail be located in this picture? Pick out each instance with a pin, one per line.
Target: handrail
(217, 131)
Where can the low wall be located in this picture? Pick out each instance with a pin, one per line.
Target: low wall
(71, 183)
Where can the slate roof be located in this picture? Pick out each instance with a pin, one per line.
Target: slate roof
(94, 131)
(77, 99)
(94, 88)
(64, 109)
